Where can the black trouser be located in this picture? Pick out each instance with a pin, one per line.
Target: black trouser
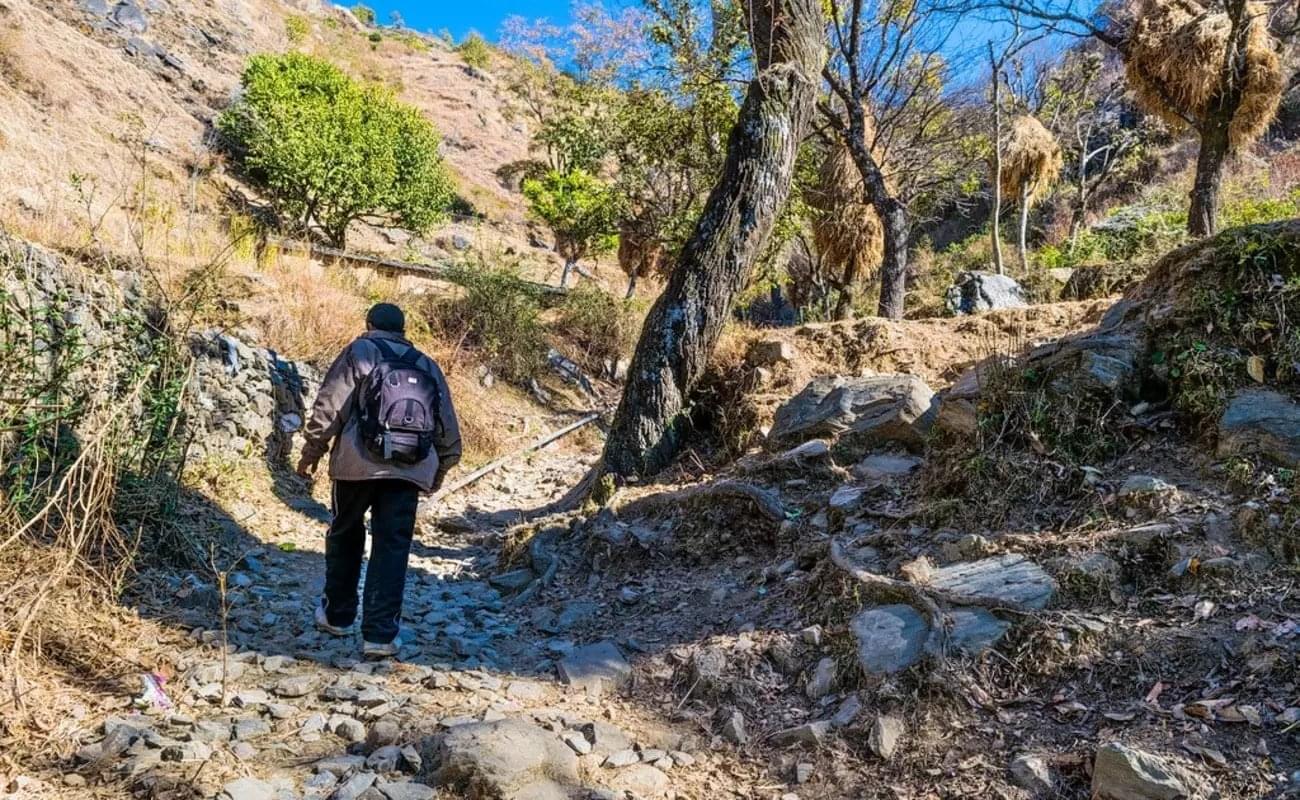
(392, 505)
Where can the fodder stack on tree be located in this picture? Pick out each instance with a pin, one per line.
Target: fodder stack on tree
(1174, 61)
(640, 254)
(846, 230)
(1031, 164)
(1031, 160)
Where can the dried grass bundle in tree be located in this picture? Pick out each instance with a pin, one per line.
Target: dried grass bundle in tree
(640, 253)
(1174, 59)
(1031, 159)
(846, 230)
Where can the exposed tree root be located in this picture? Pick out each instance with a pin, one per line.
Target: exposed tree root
(765, 502)
(815, 453)
(883, 589)
(926, 598)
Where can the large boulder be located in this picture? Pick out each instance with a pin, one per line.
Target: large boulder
(505, 760)
(974, 292)
(1261, 422)
(867, 410)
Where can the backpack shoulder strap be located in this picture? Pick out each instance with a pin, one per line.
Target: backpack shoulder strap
(385, 350)
(411, 358)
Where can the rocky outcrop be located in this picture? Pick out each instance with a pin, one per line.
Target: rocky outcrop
(975, 292)
(866, 410)
(1200, 303)
(83, 327)
(95, 330)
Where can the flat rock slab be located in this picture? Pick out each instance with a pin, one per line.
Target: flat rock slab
(1126, 773)
(596, 668)
(971, 631)
(883, 466)
(1011, 578)
(890, 638)
(877, 408)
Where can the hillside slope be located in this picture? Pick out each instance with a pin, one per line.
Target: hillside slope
(105, 107)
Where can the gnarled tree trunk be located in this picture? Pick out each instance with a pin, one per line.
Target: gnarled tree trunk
(685, 322)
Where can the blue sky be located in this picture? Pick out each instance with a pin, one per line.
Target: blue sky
(460, 16)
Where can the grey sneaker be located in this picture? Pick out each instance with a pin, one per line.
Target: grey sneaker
(385, 650)
(323, 623)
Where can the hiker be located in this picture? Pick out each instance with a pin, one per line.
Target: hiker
(387, 411)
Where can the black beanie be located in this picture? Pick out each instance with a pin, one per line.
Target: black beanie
(386, 317)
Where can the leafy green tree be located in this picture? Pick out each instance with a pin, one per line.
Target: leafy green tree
(581, 211)
(364, 14)
(330, 150)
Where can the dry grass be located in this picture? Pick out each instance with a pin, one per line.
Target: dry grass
(313, 311)
(1031, 160)
(1176, 52)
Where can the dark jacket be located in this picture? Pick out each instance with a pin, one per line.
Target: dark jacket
(333, 419)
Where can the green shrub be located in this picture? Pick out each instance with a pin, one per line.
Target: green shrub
(498, 313)
(296, 28)
(375, 38)
(474, 50)
(1255, 210)
(364, 14)
(1144, 234)
(330, 150)
(414, 42)
(581, 210)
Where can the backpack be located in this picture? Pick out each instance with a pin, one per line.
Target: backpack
(398, 407)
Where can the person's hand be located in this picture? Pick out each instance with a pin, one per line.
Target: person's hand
(306, 469)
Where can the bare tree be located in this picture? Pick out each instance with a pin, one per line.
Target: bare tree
(886, 62)
(787, 40)
(1087, 114)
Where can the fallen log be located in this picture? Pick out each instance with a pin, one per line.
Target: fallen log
(765, 501)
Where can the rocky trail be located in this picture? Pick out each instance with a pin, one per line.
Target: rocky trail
(674, 652)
